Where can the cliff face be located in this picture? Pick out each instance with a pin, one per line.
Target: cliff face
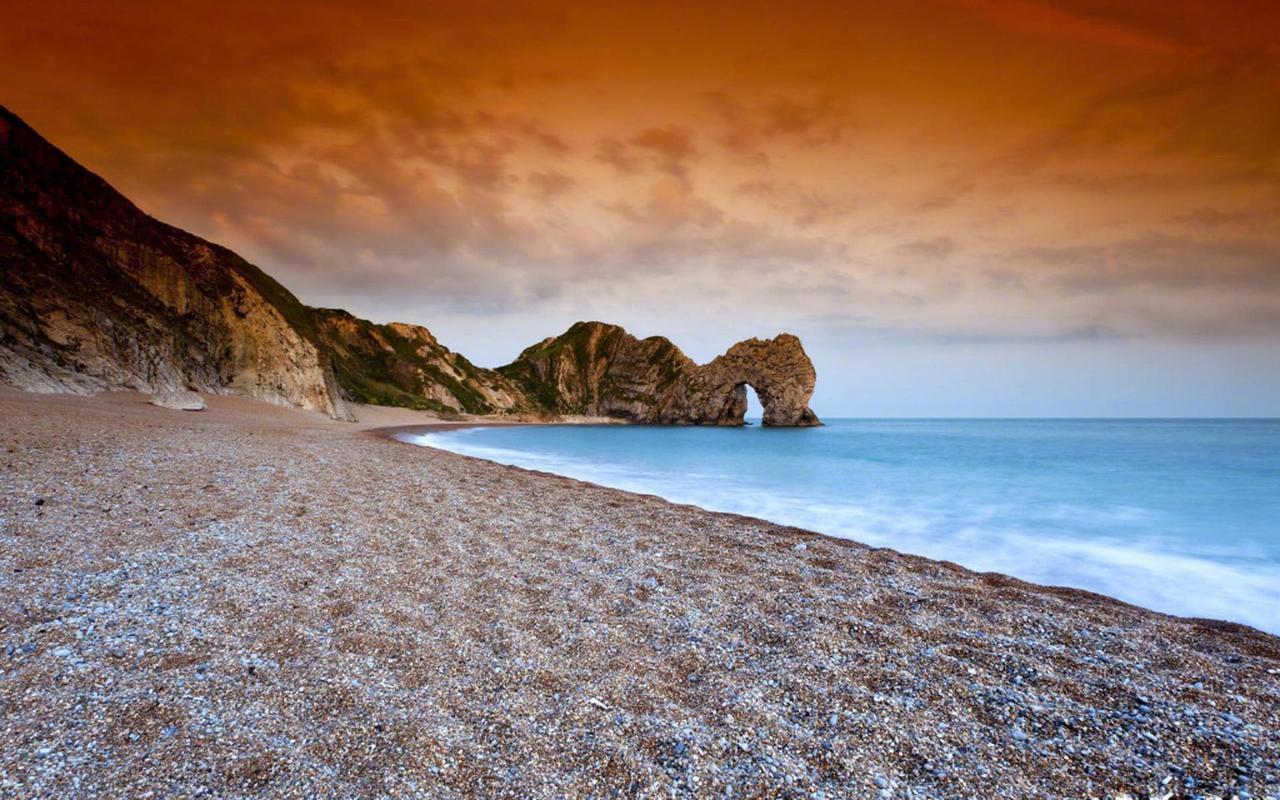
(593, 369)
(95, 294)
(404, 365)
(601, 370)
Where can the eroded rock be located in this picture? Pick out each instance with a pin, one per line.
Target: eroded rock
(178, 400)
(595, 369)
(95, 294)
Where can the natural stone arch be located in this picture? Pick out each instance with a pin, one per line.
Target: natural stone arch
(600, 370)
(777, 369)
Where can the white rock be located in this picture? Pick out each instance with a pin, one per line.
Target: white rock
(179, 401)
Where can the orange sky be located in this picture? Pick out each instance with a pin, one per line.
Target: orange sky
(1031, 177)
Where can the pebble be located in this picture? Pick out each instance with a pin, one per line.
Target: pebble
(421, 684)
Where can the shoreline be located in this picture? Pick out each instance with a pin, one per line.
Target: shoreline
(435, 425)
(393, 432)
(263, 602)
(1064, 590)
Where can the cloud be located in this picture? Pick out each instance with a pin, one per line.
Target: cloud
(672, 147)
(551, 183)
(749, 130)
(1088, 23)
(1085, 332)
(1215, 218)
(804, 206)
(993, 334)
(933, 248)
(668, 149)
(670, 204)
(1209, 119)
(1114, 173)
(1160, 260)
(617, 155)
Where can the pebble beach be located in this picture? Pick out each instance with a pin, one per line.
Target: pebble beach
(253, 601)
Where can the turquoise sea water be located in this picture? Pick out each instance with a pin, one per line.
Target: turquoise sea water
(1182, 516)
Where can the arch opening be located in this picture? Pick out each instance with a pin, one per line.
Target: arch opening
(754, 413)
(744, 406)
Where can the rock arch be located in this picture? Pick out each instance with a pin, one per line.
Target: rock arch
(599, 370)
(778, 369)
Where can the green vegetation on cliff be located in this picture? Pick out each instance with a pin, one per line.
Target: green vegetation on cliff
(400, 365)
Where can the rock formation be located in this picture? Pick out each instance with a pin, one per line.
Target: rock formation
(180, 400)
(778, 369)
(404, 365)
(95, 294)
(601, 370)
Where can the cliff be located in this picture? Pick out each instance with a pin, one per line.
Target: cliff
(599, 370)
(404, 365)
(95, 294)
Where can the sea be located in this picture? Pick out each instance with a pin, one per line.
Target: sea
(1178, 515)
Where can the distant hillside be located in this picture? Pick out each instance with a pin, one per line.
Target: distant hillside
(404, 365)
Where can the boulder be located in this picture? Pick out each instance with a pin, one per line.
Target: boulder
(178, 401)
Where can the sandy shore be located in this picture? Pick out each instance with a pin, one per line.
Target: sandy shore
(254, 601)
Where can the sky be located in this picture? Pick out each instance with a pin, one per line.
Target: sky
(963, 207)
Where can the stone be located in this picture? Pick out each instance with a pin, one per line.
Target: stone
(178, 401)
(599, 370)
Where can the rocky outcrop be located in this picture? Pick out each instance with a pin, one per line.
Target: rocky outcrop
(404, 365)
(179, 401)
(597, 369)
(95, 294)
(593, 370)
(778, 369)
